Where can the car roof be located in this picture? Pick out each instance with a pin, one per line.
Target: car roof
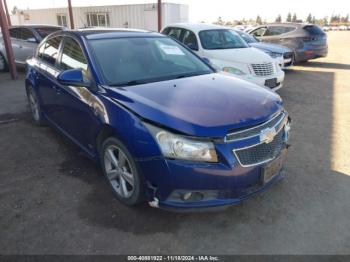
(36, 26)
(196, 27)
(286, 24)
(103, 33)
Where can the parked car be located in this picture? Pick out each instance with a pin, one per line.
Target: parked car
(24, 40)
(306, 40)
(283, 55)
(165, 126)
(228, 52)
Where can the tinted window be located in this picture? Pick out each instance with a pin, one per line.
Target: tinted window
(48, 51)
(274, 30)
(221, 39)
(314, 30)
(175, 33)
(14, 33)
(21, 33)
(259, 32)
(72, 56)
(45, 31)
(189, 39)
(128, 61)
(278, 30)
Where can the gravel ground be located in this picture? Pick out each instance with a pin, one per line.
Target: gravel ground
(53, 200)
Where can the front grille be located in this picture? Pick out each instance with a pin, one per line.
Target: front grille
(288, 55)
(262, 152)
(276, 121)
(265, 69)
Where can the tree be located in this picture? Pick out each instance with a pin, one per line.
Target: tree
(313, 20)
(279, 19)
(219, 21)
(294, 18)
(258, 20)
(309, 18)
(289, 17)
(325, 20)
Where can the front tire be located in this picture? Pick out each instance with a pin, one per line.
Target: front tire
(121, 172)
(35, 108)
(3, 63)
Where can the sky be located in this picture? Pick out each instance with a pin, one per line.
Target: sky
(210, 10)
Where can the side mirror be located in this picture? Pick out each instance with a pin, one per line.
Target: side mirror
(72, 77)
(206, 60)
(32, 40)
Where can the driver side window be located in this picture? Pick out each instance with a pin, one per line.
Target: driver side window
(72, 56)
(190, 40)
(259, 32)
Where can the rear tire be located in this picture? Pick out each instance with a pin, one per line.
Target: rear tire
(121, 172)
(3, 63)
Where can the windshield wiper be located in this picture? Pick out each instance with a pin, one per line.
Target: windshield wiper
(190, 74)
(129, 83)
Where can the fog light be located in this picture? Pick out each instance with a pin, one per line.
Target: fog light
(187, 196)
(192, 196)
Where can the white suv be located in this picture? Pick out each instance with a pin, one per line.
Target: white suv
(228, 52)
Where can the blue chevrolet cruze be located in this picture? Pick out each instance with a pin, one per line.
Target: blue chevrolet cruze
(164, 126)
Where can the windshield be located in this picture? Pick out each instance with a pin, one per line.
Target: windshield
(136, 60)
(246, 37)
(221, 39)
(45, 31)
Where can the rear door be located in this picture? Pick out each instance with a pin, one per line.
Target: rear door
(273, 34)
(15, 41)
(47, 72)
(25, 44)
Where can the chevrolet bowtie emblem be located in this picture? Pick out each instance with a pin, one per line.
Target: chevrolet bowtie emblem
(267, 135)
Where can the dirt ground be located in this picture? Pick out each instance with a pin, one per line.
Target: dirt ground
(54, 201)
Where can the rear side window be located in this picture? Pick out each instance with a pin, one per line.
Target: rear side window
(48, 51)
(175, 33)
(14, 33)
(313, 29)
(45, 31)
(21, 33)
(72, 56)
(278, 30)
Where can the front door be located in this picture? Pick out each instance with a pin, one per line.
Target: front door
(77, 115)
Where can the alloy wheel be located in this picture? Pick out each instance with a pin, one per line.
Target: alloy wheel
(119, 172)
(34, 106)
(2, 63)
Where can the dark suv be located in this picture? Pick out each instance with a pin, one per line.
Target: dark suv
(308, 41)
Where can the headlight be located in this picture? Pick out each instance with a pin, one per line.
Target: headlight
(181, 147)
(273, 54)
(233, 70)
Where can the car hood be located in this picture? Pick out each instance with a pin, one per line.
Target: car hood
(271, 47)
(205, 106)
(248, 55)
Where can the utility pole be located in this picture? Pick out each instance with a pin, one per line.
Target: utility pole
(7, 42)
(70, 14)
(7, 13)
(159, 15)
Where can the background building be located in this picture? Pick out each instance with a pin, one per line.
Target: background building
(142, 16)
